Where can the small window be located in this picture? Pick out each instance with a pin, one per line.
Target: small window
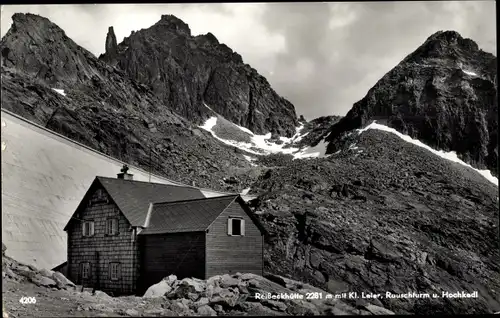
(85, 268)
(236, 227)
(114, 271)
(112, 227)
(88, 228)
(100, 196)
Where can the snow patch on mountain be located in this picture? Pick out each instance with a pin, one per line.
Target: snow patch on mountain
(451, 156)
(60, 91)
(250, 159)
(262, 145)
(209, 124)
(469, 73)
(318, 151)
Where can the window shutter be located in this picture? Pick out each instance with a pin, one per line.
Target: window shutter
(242, 227)
(83, 229)
(115, 226)
(229, 226)
(91, 228)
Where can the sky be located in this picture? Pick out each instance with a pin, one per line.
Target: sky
(323, 56)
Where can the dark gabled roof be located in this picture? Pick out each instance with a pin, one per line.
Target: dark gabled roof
(133, 197)
(186, 215)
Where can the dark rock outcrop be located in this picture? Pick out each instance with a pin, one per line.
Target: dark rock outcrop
(186, 72)
(111, 44)
(444, 94)
(315, 131)
(384, 215)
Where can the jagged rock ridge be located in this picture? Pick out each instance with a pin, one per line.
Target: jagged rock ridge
(444, 94)
(103, 108)
(186, 71)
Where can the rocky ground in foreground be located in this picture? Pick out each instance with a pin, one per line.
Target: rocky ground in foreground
(384, 215)
(235, 295)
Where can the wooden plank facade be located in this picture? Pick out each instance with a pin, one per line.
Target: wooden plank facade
(227, 254)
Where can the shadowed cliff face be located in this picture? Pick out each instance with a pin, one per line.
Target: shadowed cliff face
(187, 71)
(444, 94)
(103, 108)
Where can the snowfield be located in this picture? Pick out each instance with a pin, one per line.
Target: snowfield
(260, 144)
(317, 151)
(60, 91)
(451, 156)
(469, 73)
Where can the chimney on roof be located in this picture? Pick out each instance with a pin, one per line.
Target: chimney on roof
(124, 174)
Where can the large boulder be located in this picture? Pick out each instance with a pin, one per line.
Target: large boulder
(102, 295)
(62, 281)
(225, 297)
(46, 272)
(181, 308)
(43, 281)
(206, 310)
(157, 290)
(171, 279)
(188, 288)
(228, 281)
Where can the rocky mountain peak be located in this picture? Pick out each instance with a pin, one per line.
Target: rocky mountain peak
(189, 73)
(453, 38)
(448, 35)
(443, 94)
(20, 19)
(173, 23)
(448, 47)
(28, 22)
(37, 46)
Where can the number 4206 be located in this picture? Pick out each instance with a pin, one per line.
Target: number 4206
(27, 300)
